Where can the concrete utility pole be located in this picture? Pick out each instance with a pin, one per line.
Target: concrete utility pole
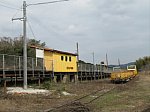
(24, 19)
(77, 52)
(107, 61)
(119, 62)
(24, 46)
(77, 61)
(93, 66)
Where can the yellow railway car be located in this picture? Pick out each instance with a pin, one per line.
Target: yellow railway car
(124, 75)
(60, 61)
(57, 61)
(60, 65)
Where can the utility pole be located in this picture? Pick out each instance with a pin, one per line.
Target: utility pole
(119, 62)
(4, 76)
(77, 61)
(24, 46)
(24, 19)
(77, 52)
(102, 64)
(107, 61)
(93, 66)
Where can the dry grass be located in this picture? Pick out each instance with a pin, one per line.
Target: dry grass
(133, 97)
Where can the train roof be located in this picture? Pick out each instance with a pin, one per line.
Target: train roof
(54, 50)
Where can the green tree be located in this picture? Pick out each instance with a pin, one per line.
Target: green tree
(6, 45)
(15, 46)
(142, 62)
(33, 42)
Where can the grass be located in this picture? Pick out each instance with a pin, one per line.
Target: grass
(57, 88)
(131, 98)
(135, 97)
(110, 100)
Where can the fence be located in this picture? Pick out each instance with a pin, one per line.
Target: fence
(86, 67)
(12, 62)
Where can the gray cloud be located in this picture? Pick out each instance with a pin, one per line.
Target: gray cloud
(119, 28)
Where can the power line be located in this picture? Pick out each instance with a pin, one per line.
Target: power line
(9, 7)
(46, 28)
(16, 13)
(31, 29)
(8, 4)
(41, 3)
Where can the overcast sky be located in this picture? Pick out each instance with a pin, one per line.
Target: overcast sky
(120, 28)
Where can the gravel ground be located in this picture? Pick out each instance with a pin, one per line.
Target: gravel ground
(20, 90)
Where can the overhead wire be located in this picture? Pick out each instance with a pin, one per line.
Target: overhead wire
(20, 9)
(41, 24)
(31, 29)
(16, 12)
(10, 7)
(41, 3)
(6, 2)
(16, 32)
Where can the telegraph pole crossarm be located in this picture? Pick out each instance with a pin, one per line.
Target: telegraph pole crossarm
(21, 19)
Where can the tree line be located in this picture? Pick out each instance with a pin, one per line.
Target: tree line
(143, 62)
(14, 46)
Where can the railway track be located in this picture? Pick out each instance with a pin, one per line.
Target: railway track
(81, 104)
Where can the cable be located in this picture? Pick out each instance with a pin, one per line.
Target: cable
(8, 4)
(48, 29)
(38, 21)
(9, 7)
(16, 13)
(47, 2)
(31, 30)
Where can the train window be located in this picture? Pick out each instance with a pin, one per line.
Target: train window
(62, 58)
(69, 58)
(66, 58)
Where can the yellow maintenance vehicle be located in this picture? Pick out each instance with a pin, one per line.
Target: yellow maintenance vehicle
(119, 75)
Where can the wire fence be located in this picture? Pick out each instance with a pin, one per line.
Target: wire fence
(12, 62)
(39, 67)
(86, 67)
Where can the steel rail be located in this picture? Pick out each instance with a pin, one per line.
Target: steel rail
(79, 99)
